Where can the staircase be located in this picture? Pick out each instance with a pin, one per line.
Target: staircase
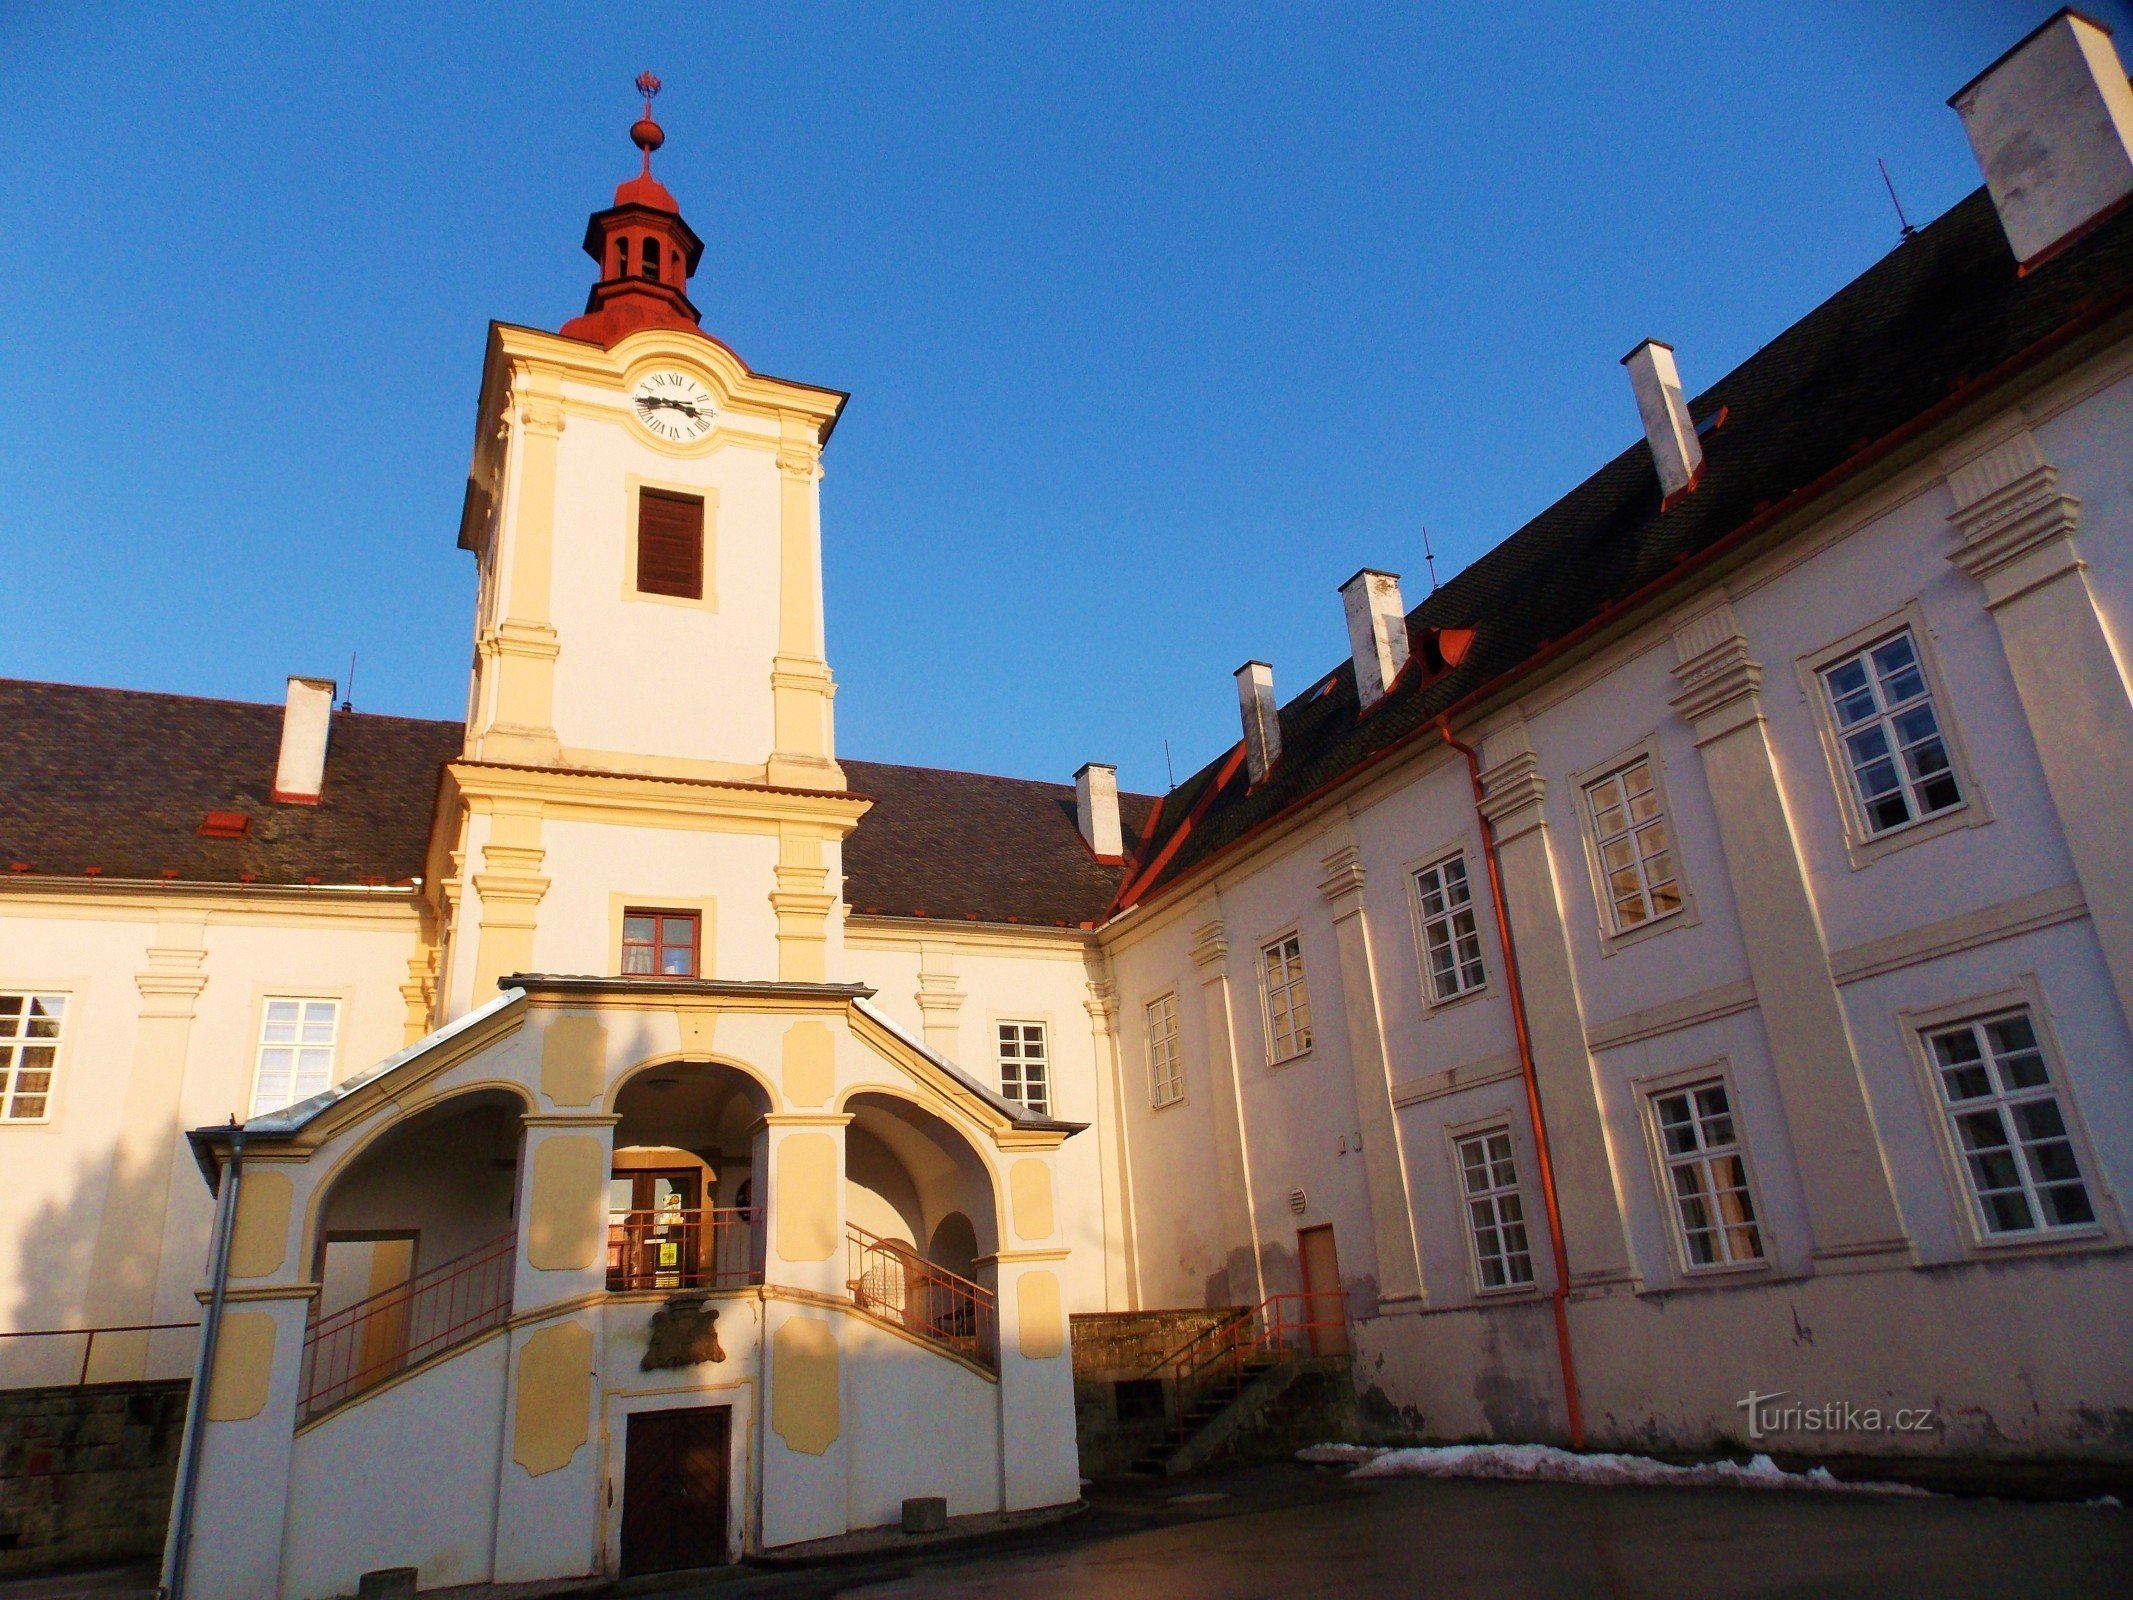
(1225, 1378)
(1207, 1407)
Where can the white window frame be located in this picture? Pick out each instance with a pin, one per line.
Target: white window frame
(1613, 937)
(297, 1046)
(1665, 1161)
(1166, 1051)
(1280, 1001)
(1015, 1051)
(2025, 994)
(1463, 985)
(1864, 844)
(19, 1041)
(1457, 1141)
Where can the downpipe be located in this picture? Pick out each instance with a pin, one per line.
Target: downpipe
(178, 1544)
(1559, 1296)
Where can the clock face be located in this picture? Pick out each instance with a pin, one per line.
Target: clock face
(673, 405)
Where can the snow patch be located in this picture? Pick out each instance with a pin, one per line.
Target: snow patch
(1540, 1463)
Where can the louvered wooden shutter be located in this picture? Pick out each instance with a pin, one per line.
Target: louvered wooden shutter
(670, 544)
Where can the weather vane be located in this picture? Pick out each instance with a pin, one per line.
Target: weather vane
(646, 134)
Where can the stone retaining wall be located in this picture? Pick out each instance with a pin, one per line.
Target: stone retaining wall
(86, 1473)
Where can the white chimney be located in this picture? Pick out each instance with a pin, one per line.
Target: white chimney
(1377, 632)
(1262, 718)
(1676, 450)
(2052, 124)
(1096, 809)
(300, 775)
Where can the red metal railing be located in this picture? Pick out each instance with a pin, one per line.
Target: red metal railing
(707, 1248)
(891, 1280)
(362, 1345)
(88, 1338)
(1281, 1326)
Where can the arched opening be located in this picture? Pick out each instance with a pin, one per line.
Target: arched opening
(681, 1212)
(651, 258)
(622, 257)
(955, 1245)
(919, 1206)
(414, 1246)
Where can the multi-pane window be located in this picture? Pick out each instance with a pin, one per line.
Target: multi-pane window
(2009, 1128)
(1166, 1071)
(30, 1029)
(1635, 847)
(1451, 944)
(1503, 1257)
(1288, 1003)
(1897, 760)
(659, 944)
(1026, 1066)
(1708, 1176)
(296, 1042)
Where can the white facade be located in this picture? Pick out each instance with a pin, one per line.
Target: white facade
(1735, 1025)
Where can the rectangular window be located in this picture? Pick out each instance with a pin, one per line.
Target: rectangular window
(30, 1030)
(1894, 754)
(296, 1043)
(2013, 1138)
(1166, 1072)
(659, 944)
(1636, 852)
(1708, 1176)
(670, 544)
(1025, 1066)
(1288, 1002)
(1503, 1258)
(1451, 944)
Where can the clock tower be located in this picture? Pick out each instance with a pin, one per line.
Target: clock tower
(649, 697)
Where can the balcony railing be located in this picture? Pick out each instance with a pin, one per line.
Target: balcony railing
(891, 1280)
(362, 1345)
(707, 1248)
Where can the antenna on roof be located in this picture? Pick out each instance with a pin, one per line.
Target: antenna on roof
(348, 694)
(1167, 767)
(1902, 221)
(1429, 556)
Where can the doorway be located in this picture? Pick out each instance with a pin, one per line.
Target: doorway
(655, 1228)
(1325, 1301)
(674, 1489)
(367, 1274)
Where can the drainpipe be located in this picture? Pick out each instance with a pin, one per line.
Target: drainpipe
(179, 1542)
(1560, 1296)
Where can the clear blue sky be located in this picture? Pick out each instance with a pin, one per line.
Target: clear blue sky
(1159, 321)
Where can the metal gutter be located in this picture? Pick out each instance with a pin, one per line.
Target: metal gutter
(178, 1543)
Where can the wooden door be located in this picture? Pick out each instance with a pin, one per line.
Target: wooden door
(661, 1231)
(1325, 1301)
(674, 1489)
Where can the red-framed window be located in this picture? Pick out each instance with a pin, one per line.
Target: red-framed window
(660, 944)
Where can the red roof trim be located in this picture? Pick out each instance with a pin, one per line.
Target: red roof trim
(1957, 398)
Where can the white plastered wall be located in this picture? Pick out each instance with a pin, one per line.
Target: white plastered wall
(115, 1136)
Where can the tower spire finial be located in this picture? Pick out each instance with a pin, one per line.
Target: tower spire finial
(646, 134)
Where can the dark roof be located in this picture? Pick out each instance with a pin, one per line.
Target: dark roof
(965, 847)
(121, 781)
(1914, 333)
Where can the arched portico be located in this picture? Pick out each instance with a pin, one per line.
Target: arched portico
(413, 1243)
(684, 1179)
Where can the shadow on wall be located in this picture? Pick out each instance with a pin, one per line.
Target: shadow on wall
(58, 1282)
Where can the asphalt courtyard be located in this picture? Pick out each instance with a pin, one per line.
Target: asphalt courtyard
(1285, 1531)
(1280, 1532)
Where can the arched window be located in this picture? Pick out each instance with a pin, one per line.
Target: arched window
(622, 257)
(651, 258)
